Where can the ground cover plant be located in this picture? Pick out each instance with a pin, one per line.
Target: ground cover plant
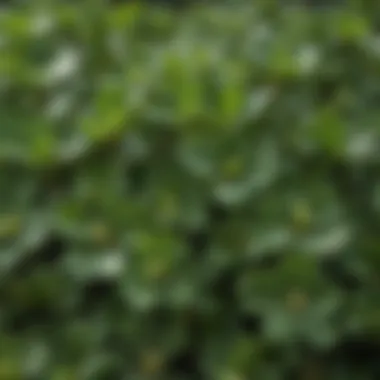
(189, 194)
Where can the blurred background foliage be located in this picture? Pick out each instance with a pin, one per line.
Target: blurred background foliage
(189, 192)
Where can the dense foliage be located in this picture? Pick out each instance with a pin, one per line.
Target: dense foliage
(189, 195)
